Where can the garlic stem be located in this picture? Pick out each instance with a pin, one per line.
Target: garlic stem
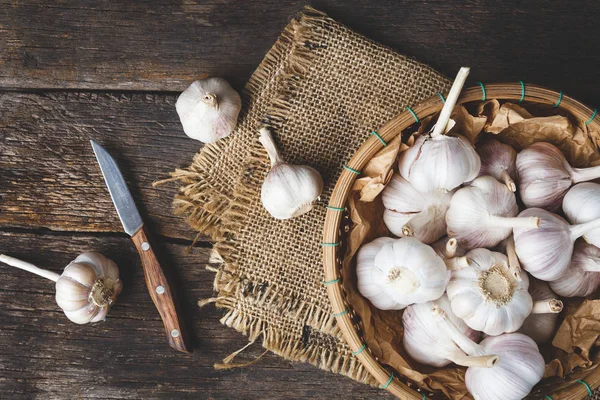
(513, 261)
(577, 231)
(508, 181)
(454, 334)
(451, 247)
(14, 262)
(428, 215)
(210, 99)
(551, 306)
(266, 139)
(585, 174)
(456, 263)
(514, 222)
(457, 85)
(459, 358)
(591, 266)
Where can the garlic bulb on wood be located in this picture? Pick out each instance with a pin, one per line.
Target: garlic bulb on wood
(582, 278)
(545, 252)
(582, 204)
(440, 161)
(519, 368)
(545, 176)
(484, 213)
(393, 273)
(498, 160)
(209, 109)
(409, 212)
(540, 324)
(486, 294)
(87, 288)
(288, 190)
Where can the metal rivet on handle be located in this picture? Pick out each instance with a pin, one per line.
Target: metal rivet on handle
(160, 289)
(145, 246)
(175, 333)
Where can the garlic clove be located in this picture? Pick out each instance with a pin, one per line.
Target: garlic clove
(582, 278)
(83, 315)
(582, 204)
(499, 161)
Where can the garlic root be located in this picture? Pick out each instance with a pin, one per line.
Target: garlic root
(547, 306)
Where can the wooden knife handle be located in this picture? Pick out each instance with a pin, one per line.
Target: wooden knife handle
(161, 292)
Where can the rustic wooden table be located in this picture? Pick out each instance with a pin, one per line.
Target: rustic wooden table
(111, 70)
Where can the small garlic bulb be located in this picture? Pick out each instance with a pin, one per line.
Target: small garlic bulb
(409, 212)
(519, 368)
(545, 176)
(484, 213)
(582, 204)
(540, 324)
(582, 278)
(486, 294)
(393, 273)
(87, 288)
(288, 190)
(545, 252)
(209, 109)
(498, 160)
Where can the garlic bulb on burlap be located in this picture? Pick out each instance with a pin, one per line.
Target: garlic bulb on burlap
(540, 324)
(582, 204)
(484, 213)
(545, 252)
(440, 161)
(486, 294)
(519, 368)
(545, 176)
(87, 288)
(498, 160)
(209, 109)
(582, 278)
(409, 212)
(394, 273)
(288, 190)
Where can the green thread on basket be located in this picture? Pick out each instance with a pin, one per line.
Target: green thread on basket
(357, 352)
(388, 382)
(423, 397)
(329, 244)
(336, 208)
(559, 99)
(590, 391)
(592, 117)
(340, 313)
(484, 95)
(355, 171)
(331, 282)
(380, 138)
(522, 91)
(548, 398)
(441, 97)
(410, 110)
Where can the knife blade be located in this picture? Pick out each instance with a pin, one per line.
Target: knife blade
(158, 285)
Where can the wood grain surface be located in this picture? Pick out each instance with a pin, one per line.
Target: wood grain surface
(111, 71)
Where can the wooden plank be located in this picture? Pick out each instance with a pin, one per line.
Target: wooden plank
(49, 177)
(44, 355)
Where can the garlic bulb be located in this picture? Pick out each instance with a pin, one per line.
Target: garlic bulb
(411, 213)
(430, 344)
(545, 252)
(519, 368)
(288, 190)
(582, 204)
(486, 294)
(540, 324)
(484, 213)
(87, 288)
(440, 161)
(582, 278)
(498, 160)
(209, 109)
(393, 273)
(545, 176)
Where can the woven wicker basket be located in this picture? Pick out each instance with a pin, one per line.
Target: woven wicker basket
(347, 320)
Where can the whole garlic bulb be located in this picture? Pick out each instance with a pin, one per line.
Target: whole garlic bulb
(540, 324)
(498, 160)
(486, 294)
(582, 204)
(582, 278)
(393, 273)
(545, 176)
(426, 342)
(519, 368)
(409, 212)
(87, 288)
(545, 252)
(484, 213)
(209, 109)
(288, 190)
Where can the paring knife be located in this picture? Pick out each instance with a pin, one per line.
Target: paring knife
(159, 288)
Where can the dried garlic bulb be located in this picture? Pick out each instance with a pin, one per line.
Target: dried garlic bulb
(409, 212)
(498, 160)
(582, 204)
(540, 324)
(209, 109)
(87, 288)
(288, 190)
(582, 278)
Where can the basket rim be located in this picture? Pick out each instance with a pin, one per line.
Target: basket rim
(343, 312)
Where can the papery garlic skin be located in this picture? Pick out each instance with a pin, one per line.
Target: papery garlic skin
(209, 109)
(88, 287)
(394, 273)
(499, 161)
(519, 369)
(483, 214)
(409, 212)
(582, 204)
(582, 278)
(486, 294)
(541, 323)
